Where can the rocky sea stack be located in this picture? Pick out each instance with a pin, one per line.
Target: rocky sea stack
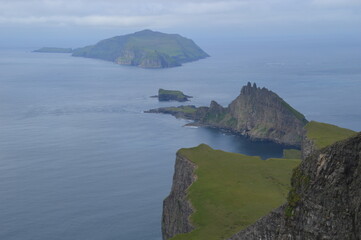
(146, 49)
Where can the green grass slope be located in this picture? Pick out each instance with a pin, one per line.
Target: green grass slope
(324, 134)
(233, 190)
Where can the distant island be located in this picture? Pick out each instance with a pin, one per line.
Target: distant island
(257, 113)
(145, 49)
(171, 95)
(54, 50)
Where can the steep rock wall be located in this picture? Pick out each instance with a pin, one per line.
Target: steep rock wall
(307, 147)
(176, 207)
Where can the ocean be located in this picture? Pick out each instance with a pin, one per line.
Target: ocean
(80, 160)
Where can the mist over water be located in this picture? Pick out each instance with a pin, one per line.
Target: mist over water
(80, 160)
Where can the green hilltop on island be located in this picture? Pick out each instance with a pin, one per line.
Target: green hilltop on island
(146, 49)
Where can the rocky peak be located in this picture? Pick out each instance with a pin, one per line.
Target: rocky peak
(215, 107)
(262, 114)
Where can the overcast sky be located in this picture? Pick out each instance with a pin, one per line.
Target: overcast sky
(74, 21)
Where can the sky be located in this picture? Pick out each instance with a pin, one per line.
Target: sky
(73, 23)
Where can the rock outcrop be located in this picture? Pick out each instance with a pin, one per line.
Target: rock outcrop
(176, 208)
(324, 202)
(257, 113)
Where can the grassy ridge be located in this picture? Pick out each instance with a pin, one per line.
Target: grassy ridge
(233, 190)
(324, 134)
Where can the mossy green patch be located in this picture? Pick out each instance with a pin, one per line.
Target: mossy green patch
(292, 154)
(324, 134)
(233, 190)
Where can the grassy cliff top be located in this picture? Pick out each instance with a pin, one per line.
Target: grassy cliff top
(233, 190)
(324, 134)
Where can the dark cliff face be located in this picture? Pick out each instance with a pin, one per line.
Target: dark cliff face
(325, 199)
(176, 208)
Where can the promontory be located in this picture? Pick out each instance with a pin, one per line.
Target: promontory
(257, 113)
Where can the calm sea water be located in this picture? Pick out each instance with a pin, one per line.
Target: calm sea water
(80, 160)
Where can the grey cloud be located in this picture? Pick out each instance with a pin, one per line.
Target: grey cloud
(162, 13)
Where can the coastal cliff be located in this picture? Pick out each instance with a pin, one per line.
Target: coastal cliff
(220, 195)
(176, 207)
(324, 201)
(215, 193)
(257, 113)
